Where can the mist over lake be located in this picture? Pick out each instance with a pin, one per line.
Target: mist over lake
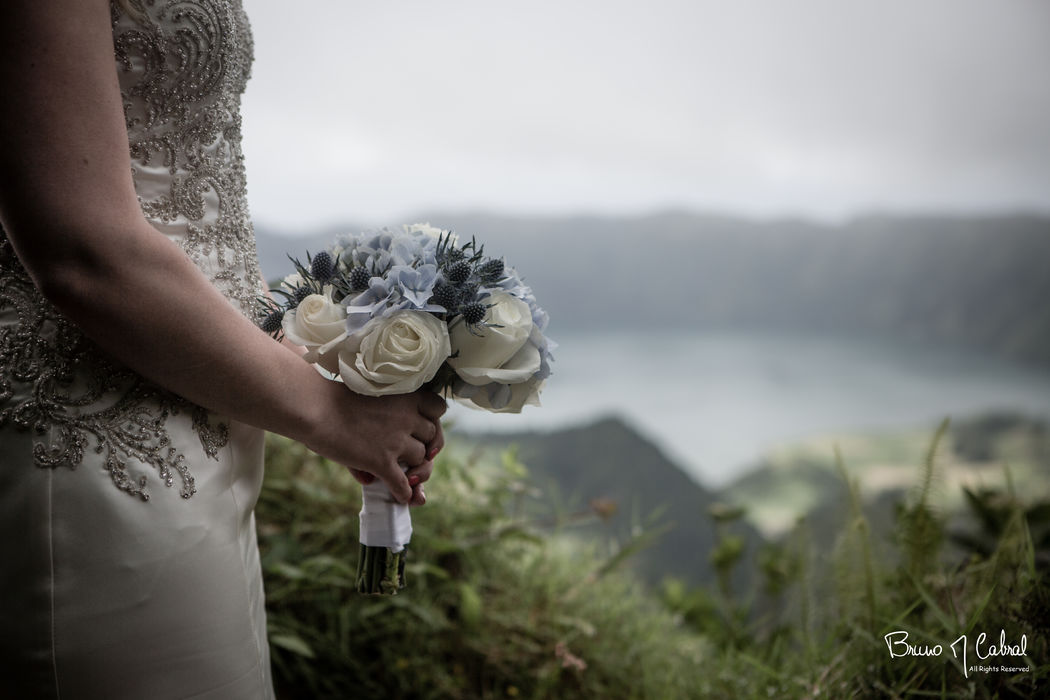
(715, 401)
(719, 337)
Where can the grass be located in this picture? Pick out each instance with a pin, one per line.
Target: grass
(503, 604)
(495, 606)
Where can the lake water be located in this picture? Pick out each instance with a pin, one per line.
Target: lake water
(716, 401)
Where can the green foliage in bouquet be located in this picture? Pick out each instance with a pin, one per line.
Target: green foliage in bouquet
(497, 606)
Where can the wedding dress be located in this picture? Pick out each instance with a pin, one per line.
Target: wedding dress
(130, 565)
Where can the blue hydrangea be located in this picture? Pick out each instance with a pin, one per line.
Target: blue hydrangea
(381, 251)
(403, 287)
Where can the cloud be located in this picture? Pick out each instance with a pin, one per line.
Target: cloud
(822, 107)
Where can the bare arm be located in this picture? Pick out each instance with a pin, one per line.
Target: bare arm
(68, 205)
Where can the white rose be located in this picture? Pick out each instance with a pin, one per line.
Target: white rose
(319, 325)
(500, 353)
(501, 398)
(426, 229)
(395, 354)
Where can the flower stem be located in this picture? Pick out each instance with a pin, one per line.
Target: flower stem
(380, 571)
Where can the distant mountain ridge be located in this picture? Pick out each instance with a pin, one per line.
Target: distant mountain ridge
(976, 282)
(609, 462)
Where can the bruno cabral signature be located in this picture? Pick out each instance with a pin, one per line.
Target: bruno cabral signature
(899, 646)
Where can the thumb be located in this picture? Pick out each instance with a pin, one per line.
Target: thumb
(397, 483)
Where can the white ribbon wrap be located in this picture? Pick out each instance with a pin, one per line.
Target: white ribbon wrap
(384, 521)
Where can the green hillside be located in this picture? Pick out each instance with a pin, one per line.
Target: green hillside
(607, 467)
(801, 478)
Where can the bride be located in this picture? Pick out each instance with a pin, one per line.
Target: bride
(134, 385)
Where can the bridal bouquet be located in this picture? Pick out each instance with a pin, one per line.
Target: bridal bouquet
(393, 311)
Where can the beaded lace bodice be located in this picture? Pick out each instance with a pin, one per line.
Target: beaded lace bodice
(183, 65)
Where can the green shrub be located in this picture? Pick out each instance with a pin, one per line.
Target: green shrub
(819, 627)
(494, 607)
(500, 604)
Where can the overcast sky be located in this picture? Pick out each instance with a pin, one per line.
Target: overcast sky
(371, 111)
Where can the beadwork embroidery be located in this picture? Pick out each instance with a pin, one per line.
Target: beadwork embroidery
(183, 65)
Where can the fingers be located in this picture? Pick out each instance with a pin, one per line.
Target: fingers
(420, 473)
(393, 431)
(426, 430)
(431, 435)
(431, 405)
(362, 477)
(416, 477)
(414, 452)
(436, 443)
(396, 482)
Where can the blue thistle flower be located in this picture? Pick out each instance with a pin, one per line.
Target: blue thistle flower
(271, 324)
(474, 313)
(491, 271)
(447, 296)
(468, 293)
(322, 267)
(359, 278)
(453, 255)
(459, 272)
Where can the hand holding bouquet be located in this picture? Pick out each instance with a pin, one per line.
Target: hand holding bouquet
(391, 312)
